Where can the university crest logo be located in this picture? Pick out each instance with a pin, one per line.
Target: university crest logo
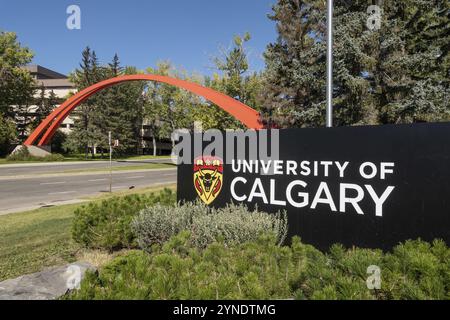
(208, 177)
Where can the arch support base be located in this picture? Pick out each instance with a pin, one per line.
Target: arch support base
(35, 151)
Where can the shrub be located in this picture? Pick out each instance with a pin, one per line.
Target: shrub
(158, 223)
(261, 269)
(236, 224)
(24, 155)
(106, 225)
(414, 270)
(232, 224)
(417, 270)
(177, 270)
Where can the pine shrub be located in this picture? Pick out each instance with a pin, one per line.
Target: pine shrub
(107, 224)
(260, 269)
(179, 270)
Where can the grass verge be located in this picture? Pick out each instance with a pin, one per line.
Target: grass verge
(81, 158)
(146, 166)
(33, 240)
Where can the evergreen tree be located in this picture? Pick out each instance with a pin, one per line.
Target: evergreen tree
(44, 106)
(117, 109)
(235, 81)
(85, 133)
(412, 75)
(120, 110)
(398, 73)
(293, 93)
(23, 119)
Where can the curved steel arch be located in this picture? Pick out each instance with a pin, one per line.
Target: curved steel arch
(48, 127)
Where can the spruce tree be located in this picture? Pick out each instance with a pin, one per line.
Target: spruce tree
(119, 110)
(412, 73)
(85, 134)
(392, 74)
(44, 106)
(293, 93)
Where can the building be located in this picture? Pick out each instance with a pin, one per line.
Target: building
(52, 81)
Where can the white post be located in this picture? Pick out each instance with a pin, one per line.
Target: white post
(329, 117)
(110, 161)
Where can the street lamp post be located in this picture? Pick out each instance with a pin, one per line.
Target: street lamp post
(110, 161)
(329, 116)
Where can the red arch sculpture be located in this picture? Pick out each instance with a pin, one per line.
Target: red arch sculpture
(248, 116)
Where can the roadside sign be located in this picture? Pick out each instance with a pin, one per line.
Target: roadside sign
(369, 186)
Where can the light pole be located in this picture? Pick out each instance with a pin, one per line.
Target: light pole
(110, 161)
(329, 116)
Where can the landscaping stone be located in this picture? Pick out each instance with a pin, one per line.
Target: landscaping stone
(46, 285)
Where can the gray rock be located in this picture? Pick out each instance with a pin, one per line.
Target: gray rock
(46, 285)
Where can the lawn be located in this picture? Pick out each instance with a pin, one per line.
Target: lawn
(81, 157)
(33, 240)
(146, 166)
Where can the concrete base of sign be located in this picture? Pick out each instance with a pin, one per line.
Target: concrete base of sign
(35, 150)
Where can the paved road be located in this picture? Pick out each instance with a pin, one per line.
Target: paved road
(18, 194)
(54, 167)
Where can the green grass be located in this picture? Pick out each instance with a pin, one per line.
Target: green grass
(146, 157)
(33, 240)
(81, 157)
(4, 161)
(146, 166)
(36, 239)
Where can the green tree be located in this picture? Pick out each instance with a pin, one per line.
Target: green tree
(160, 109)
(7, 135)
(16, 88)
(119, 110)
(235, 80)
(398, 73)
(45, 104)
(294, 83)
(85, 133)
(412, 74)
(22, 116)
(16, 84)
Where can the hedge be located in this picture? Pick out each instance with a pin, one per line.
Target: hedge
(263, 270)
(107, 225)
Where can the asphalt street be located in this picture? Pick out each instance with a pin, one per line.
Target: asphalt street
(28, 187)
(55, 167)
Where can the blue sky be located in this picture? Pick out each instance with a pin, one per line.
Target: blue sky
(188, 33)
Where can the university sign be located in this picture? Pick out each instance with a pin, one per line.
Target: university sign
(363, 186)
